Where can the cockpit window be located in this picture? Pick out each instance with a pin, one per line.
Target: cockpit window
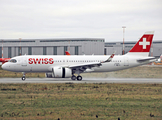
(13, 60)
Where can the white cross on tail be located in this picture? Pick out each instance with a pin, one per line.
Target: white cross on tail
(144, 43)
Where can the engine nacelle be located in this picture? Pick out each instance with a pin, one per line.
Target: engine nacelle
(60, 72)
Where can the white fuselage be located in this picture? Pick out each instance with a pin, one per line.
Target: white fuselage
(45, 63)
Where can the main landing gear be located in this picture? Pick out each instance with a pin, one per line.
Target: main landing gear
(79, 78)
(23, 77)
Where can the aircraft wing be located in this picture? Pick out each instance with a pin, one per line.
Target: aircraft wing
(84, 66)
(146, 59)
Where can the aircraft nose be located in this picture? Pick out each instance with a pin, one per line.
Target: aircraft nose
(4, 67)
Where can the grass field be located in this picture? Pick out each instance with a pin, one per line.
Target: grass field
(84, 101)
(81, 101)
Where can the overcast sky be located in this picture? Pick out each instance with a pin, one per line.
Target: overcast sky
(80, 19)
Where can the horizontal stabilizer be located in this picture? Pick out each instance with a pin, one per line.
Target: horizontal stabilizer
(146, 59)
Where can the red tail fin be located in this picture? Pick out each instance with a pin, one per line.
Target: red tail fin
(67, 53)
(144, 44)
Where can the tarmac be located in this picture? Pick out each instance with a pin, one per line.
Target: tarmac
(85, 80)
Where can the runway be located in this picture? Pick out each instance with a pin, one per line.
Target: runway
(85, 80)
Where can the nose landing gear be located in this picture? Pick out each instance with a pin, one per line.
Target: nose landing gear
(23, 77)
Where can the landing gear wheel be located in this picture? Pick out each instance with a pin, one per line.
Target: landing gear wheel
(73, 77)
(79, 78)
(23, 78)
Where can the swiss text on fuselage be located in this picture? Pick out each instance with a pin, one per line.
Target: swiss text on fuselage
(40, 61)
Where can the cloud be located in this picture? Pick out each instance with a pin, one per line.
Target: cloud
(86, 18)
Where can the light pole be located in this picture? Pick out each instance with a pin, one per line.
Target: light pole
(2, 49)
(20, 46)
(123, 37)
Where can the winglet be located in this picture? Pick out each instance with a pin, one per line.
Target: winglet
(110, 58)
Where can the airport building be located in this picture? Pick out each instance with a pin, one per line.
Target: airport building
(76, 46)
(110, 47)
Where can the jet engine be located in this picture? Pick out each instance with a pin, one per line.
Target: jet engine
(61, 72)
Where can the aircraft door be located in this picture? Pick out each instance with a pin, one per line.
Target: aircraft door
(24, 61)
(126, 61)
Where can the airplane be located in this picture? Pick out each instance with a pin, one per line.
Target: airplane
(67, 53)
(68, 66)
(3, 60)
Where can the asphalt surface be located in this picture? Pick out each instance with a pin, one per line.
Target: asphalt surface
(85, 80)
